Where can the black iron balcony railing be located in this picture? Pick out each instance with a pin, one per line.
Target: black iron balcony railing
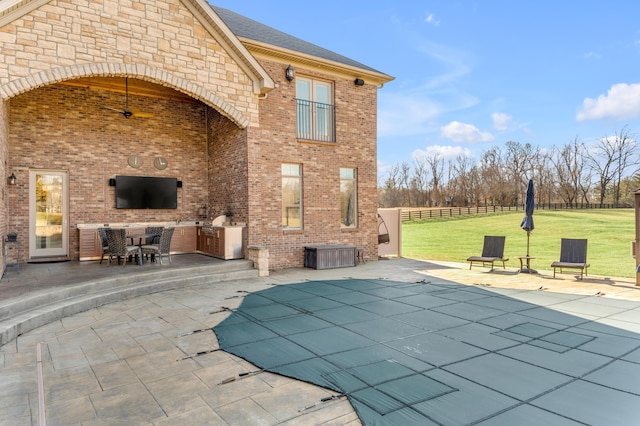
(316, 121)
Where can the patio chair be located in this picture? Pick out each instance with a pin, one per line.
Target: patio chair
(492, 251)
(118, 247)
(157, 230)
(573, 255)
(162, 248)
(105, 243)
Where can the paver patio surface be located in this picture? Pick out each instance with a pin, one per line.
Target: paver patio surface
(494, 347)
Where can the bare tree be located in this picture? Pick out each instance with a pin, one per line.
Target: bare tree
(568, 165)
(420, 181)
(603, 160)
(436, 166)
(461, 182)
(626, 158)
(543, 177)
(492, 172)
(518, 165)
(405, 183)
(570, 173)
(390, 196)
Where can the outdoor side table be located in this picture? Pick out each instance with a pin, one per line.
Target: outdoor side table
(525, 264)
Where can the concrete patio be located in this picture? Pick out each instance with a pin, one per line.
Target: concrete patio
(152, 359)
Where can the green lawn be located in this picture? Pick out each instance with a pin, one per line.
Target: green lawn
(609, 232)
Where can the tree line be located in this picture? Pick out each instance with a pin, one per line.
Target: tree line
(574, 174)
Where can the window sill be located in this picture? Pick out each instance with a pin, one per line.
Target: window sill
(293, 231)
(315, 142)
(349, 229)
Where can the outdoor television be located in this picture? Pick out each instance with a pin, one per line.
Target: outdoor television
(140, 192)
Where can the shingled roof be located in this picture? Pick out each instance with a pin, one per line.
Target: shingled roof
(248, 28)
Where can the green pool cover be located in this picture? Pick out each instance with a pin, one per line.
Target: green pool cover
(412, 353)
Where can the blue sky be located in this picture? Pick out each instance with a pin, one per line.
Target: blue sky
(470, 75)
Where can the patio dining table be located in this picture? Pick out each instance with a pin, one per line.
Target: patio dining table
(141, 237)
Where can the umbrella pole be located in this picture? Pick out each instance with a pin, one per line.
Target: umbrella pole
(529, 270)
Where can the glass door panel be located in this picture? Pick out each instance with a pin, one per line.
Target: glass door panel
(48, 214)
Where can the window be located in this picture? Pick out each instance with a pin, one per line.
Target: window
(348, 198)
(292, 196)
(315, 110)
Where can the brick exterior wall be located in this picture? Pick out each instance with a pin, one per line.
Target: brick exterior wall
(227, 149)
(68, 128)
(4, 173)
(275, 142)
(228, 173)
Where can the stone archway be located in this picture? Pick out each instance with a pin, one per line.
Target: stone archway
(142, 72)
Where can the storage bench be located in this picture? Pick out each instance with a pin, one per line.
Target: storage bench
(330, 256)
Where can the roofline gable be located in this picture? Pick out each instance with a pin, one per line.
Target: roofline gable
(10, 10)
(294, 58)
(262, 82)
(267, 41)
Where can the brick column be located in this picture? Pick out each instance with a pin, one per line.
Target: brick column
(260, 257)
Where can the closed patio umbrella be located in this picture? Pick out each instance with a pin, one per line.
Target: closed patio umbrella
(527, 222)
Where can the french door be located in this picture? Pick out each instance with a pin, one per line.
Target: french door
(48, 213)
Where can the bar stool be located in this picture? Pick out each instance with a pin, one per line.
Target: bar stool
(361, 255)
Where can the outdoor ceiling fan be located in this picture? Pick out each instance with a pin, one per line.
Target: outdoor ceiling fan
(126, 112)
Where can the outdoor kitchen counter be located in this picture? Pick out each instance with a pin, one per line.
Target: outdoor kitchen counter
(173, 224)
(184, 238)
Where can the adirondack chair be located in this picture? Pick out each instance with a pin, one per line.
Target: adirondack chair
(573, 255)
(492, 251)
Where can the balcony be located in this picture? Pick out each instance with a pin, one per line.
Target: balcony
(316, 121)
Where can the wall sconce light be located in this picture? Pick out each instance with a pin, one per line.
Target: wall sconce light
(202, 211)
(288, 73)
(12, 179)
(358, 82)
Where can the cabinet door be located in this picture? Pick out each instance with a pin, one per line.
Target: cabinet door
(218, 242)
(209, 244)
(176, 241)
(233, 243)
(90, 245)
(189, 239)
(199, 239)
(184, 239)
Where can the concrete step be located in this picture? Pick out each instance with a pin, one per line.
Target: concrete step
(26, 313)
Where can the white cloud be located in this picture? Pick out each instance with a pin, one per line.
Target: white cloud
(461, 133)
(501, 121)
(446, 152)
(417, 111)
(431, 19)
(621, 102)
